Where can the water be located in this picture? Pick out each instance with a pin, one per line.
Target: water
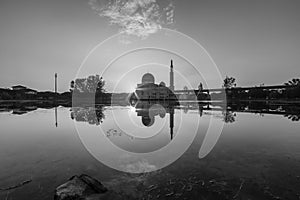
(256, 156)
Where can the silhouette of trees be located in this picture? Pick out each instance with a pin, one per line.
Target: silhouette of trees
(100, 86)
(293, 92)
(200, 87)
(72, 85)
(91, 84)
(258, 93)
(261, 93)
(229, 82)
(92, 87)
(5, 94)
(293, 82)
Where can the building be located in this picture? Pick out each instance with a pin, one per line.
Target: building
(30, 91)
(20, 90)
(149, 90)
(19, 87)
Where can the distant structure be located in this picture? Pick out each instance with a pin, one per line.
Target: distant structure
(19, 87)
(148, 90)
(24, 90)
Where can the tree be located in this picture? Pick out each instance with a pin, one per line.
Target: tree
(293, 82)
(200, 87)
(294, 91)
(258, 93)
(229, 116)
(100, 86)
(229, 82)
(72, 85)
(5, 95)
(91, 84)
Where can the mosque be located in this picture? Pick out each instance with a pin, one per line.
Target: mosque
(148, 90)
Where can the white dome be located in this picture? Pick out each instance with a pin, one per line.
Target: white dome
(162, 84)
(148, 78)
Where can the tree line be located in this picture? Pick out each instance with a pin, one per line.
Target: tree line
(292, 92)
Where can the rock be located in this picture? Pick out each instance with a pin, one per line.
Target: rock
(83, 187)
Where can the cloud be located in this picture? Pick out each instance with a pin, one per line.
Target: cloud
(140, 166)
(127, 184)
(136, 17)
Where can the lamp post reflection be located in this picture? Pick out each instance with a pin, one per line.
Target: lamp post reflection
(55, 116)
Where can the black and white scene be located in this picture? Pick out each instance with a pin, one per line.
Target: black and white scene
(149, 100)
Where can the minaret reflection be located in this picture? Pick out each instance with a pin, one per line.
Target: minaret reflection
(149, 109)
(171, 121)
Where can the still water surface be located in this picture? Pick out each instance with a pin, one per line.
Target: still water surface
(259, 153)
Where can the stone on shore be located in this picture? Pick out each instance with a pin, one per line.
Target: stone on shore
(83, 187)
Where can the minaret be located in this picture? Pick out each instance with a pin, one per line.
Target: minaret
(171, 77)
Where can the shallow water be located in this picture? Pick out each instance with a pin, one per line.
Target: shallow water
(256, 156)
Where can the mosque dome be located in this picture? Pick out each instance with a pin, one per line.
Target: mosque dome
(148, 78)
(162, 84)
(148, 121)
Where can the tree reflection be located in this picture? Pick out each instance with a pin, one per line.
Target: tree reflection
(229, 116)
(292, 112)
(92, 115)
(288, 110)
(229, 110)
(293, 117)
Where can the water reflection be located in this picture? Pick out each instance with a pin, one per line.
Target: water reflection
(263, 152)
(229, 116)
(291, 111)
(152, 114)
(149, 109)
(92, 115)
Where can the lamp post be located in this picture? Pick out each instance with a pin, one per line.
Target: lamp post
(55, 84)
(55, 98)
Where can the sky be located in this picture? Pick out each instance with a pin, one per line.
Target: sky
(254, 41)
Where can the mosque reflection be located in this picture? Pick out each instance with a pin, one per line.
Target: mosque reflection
(148, 110)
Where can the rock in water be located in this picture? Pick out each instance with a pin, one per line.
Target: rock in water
(82, 187)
